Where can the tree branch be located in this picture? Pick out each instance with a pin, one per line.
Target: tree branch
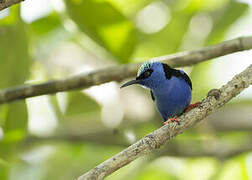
(7, 3)
(118, 73)
(231, 119)
(105, 138)
(215, 99)
(194, 148)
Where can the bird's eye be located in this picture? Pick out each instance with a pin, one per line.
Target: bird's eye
(147, 74)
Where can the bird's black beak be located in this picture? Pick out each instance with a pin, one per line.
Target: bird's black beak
(130, 83)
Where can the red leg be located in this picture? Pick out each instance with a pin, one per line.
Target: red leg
(191, 106)
(172, 120)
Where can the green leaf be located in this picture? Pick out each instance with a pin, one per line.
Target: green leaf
(229, 14)
(165, 41)
(198, 5)
(14, 56)
(105, 25)
(151, 172)
(3, 171)
(46, 24)
(13, 16)
(130, 7)
(17, 117)
(13, 136)
(76, 155)
(201, 83)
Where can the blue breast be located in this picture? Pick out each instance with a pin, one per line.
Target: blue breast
(172, 97)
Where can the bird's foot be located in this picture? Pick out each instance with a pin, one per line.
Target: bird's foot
(175, 118)
(191, 106)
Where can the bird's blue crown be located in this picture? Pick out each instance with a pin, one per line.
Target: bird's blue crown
(144, 67)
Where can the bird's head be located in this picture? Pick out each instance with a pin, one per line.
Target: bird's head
(150, 75)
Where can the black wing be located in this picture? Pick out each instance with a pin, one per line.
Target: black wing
(169, 72)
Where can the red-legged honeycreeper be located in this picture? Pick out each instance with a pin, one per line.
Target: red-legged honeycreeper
(171, 89)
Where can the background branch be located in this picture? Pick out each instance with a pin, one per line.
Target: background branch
(194, 148)
(228, 119)
(7, 3)
(210, 148)
(105, 138)
(118, 73)
(215, 99)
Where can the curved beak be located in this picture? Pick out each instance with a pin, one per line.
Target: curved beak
(130, 83)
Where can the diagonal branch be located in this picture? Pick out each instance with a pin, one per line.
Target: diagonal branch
(7, 3)
(215, 99)
(118, 73)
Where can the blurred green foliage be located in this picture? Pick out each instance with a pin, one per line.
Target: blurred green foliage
(108, 27)
(15, 64)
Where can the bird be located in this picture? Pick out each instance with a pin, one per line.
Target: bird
(170, 89)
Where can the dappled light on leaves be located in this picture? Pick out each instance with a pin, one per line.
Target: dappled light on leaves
(4, 13)
(34, 10)
(71, 130)
(108, 96)
(42, 118)
(153, 18)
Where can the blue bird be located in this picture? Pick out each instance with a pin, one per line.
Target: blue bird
(170, 89)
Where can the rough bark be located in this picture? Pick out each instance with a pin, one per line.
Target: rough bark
(7, 3)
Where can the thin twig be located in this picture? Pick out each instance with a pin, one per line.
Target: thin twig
(215, 99)
(118, 73)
